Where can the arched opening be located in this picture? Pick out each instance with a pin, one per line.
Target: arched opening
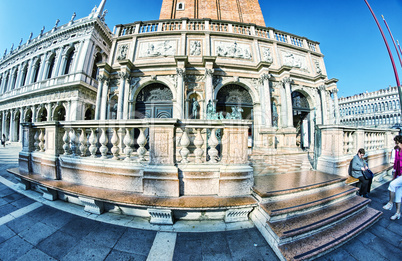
(69, 62)
(89, 114)
(42, 115)
(51, 66)
(36, 71)
(301, 119)
(95, 69)
(154, 101)
(59, 113)
(233, 96)
(14, 82)
(24, 75)
(235, 102)
(28, 116)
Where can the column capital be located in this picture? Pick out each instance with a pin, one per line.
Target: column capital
(322, 88)
(124, 75)
(287, 80)
(181, 71)
(103, 78)
(209, 72)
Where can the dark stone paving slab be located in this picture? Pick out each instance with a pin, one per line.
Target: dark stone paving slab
(105, 235)
(35, 254)
(14, 248)
(136, 241)
(5, 233)
(79, 227)
(57, 245)
(116, 255)
(23, 202)
(20, 224)
(37, 233)
(86, 251)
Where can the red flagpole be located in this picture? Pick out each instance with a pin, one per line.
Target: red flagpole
(390, 56)
(392, 37)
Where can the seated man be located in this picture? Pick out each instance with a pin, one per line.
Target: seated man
(358, 166)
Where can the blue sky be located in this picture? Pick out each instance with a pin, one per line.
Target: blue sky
(349, 38)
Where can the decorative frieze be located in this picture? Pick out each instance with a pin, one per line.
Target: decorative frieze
(158, 49)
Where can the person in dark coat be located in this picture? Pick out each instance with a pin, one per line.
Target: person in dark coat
(358, 166)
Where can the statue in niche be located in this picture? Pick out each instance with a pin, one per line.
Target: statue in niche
(195, 48)
(211, 113)
(195, 106)
(274, 115)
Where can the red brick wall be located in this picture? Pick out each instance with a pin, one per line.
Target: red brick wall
(246, 11)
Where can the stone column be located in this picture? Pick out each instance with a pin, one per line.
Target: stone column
(3, 79)
(42, 67)
(122, 94)
(337, 115)
(104, 100)
(289, 110)
(265, 95)
(129, 104)
(20, 71)
(209, 88)
(180, 93)
(49, 111)
(21, 121)
(3, 122)
(57, 62)
(101, 82)
(323, 95)
(34, 113)
(11, 133)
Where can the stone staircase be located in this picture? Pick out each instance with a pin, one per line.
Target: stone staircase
(306, 214)
(277, 163)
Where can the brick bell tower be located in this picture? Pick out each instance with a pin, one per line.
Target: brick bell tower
(244, 11)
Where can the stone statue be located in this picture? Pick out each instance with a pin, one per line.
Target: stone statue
(30, 37)
(12, 47)
(5, 52)
(20, 43)
(103, 15)
(195, 107)
(41, 31)
(57, 23)
(72, 17)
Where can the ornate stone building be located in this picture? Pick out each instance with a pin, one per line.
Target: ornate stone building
(194, 118)
(52, 77)
(371, 109)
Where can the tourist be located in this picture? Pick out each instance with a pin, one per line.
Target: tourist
(395, 186)
(358, 166)
(3, 140)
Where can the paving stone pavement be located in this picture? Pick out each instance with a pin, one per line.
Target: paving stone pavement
(33, 229)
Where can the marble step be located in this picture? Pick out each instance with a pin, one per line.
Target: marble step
(331, 238)
(301, 204)
(286, 185)
(313, 222)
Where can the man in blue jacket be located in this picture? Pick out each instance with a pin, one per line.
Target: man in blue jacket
(358, 166)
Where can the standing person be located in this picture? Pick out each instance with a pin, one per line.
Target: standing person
(3, 140)
(358, 166)
(395, 186)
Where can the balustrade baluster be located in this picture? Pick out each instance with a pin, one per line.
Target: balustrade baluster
(184, 142)
(128, 141)
(36, 138)
(73, 145)
(83, 143)
(213, 142)
(42, 141)
(142, 141)
(66, 141)
(93, 140)
(103, 141)
(115, 141)
(198, 142)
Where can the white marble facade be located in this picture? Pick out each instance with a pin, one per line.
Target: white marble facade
(52, 77)
(371, 109)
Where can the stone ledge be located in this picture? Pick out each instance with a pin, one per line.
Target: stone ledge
(137, 199)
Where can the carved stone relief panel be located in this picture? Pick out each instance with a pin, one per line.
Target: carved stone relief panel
(294, 60)
(122, 52)
(195, 48)
(267, 55)
(233, 50)
(158, 49)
